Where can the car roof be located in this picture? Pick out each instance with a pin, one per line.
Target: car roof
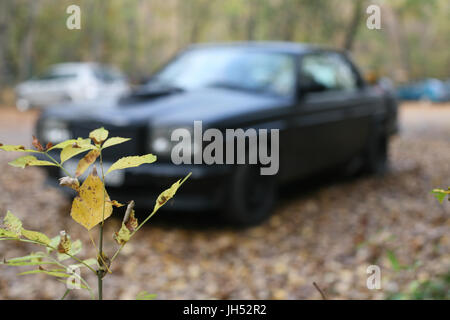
(273, 46)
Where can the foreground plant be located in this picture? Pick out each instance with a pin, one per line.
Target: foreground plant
(440, 194)
(91, 207)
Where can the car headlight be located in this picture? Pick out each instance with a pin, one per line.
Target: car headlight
(55, 131)
(161, 144)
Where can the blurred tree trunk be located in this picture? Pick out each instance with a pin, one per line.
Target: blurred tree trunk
(4, 12)
(26, 46)
(352, 29)
(251, 19)
(96, 11)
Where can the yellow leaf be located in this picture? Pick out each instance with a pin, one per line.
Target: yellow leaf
(123, 236)
(18, 148)
(113, 141)
(169, 193)
(75, 148)
(99, 135)
(26, 161)
(36, 236)
(87, 160)
(64, 244)
(79, 141)
(87, 207)
(134, 161)
(129, 225)
(117, 204)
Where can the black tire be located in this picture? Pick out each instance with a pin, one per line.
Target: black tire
(376, 161)
(250, 196)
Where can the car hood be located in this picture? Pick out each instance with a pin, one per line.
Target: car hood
(208, 105)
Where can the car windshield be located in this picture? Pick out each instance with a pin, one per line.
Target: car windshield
(234, 68)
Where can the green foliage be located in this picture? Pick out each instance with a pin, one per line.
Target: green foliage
(432, 289)
(91, 207)
(144, 295)
(135, 34)
(26, 161)
(440, 194)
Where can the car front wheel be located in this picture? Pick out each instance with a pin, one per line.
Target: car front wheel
(250, 196)
(377, 153)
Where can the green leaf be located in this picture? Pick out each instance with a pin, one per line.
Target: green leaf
(26, 161)
(65, 282)
(133, 161)
(113, 141)
(18, 148)
(53, 243)
(77, 147)
(34, 256)
(144, 295)
(36, 236)
(7, 234)
(59, 273)
(99, 135)
(440, 194)
(394, 261)
(89, 262)
(12, 224)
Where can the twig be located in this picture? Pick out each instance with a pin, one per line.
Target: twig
(324, 297)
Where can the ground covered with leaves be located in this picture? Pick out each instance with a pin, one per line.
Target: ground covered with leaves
(328, 232)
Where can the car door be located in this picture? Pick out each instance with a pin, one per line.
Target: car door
(331, 118)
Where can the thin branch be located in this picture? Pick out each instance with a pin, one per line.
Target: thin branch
(58, 164)
(324, 297)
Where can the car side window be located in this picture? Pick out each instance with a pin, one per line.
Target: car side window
(105, 75)
(327, 72)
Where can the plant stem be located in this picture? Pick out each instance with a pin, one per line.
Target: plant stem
(101, 271)
(58, 164)
(100, 284)
(65, 294)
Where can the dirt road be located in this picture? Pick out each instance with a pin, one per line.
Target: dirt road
(329, 233)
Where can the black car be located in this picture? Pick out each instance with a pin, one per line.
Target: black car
(326, 116)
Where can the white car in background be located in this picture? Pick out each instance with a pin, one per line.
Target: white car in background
(71, 82)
